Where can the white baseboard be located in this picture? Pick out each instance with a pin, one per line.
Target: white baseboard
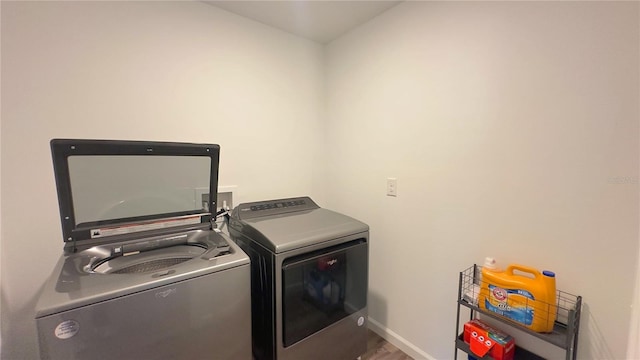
(398, 341)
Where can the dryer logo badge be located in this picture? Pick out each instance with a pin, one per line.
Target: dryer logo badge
(67, 329)
(166, 293)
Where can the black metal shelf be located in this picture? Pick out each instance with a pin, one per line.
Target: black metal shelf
(559, 337)
(565, 330)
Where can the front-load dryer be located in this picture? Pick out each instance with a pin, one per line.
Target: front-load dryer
(143, 274)
(309, 268)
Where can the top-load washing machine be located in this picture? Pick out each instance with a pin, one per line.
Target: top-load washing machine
(143, 274)
(309, 274)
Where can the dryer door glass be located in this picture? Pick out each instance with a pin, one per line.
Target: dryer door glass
(321, 288)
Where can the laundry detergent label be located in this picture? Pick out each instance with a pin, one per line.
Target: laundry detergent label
(515, 304)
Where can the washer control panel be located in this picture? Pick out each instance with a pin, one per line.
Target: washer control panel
(273, 207)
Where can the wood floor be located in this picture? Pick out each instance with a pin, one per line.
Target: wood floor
(379, 349)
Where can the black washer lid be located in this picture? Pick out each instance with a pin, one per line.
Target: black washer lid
(109, 189)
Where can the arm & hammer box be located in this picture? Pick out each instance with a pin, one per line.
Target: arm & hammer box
(483, 340)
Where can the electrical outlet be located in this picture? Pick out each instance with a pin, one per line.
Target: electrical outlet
(392, 187)
(225, 198)
(201, 198)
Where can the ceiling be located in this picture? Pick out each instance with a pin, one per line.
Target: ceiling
(321, 21)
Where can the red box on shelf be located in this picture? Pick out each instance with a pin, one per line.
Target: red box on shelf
(483, 340)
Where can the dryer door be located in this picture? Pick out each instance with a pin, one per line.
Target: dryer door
(321, 288)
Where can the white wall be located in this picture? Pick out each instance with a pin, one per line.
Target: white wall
(174, 71)
(1, 251)
(512, 128)
(633, 348)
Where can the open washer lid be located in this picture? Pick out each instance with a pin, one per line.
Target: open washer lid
(117, 190)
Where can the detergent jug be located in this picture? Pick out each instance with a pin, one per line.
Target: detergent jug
(521, 294)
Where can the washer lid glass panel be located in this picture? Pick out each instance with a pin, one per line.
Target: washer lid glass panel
(112, 188)
(107, 187)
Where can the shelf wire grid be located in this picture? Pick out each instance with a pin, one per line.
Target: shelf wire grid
(563, 312)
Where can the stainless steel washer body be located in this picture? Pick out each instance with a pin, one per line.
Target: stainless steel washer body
(199, 308)
(143, 273)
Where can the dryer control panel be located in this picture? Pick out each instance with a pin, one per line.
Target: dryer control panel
(273, 207)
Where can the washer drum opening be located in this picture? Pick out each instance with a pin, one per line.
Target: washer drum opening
(148, 261)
